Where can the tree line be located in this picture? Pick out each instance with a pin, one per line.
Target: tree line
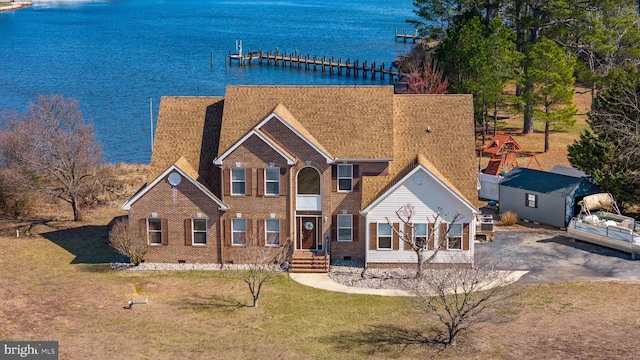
(542, 48)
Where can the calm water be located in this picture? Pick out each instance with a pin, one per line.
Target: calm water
(114, 56)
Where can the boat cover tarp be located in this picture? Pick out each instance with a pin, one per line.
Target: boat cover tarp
(597, 201)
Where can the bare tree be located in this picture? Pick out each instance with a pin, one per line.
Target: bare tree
(420, 72)
(261, 265)
(129, 240)
(56, 152)
(462, 296)
(421, 241)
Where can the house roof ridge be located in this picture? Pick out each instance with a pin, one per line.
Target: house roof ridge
(285, 115)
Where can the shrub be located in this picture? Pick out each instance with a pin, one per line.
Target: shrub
(16, 199)
(508, 218)
(130, 241)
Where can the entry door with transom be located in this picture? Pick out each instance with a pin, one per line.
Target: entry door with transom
(308, 233)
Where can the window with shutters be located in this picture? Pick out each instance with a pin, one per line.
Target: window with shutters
(420, 234)
(345, 178)
(345, 228)
(239, 231)
(454, 241)
(199, 231)
(154, 231)
(272, 232)
(272, 181)
(384, 236)
(238, 181)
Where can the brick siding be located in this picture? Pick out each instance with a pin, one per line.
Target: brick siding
(176, 206)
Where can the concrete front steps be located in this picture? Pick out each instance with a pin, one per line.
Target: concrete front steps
(309, 262)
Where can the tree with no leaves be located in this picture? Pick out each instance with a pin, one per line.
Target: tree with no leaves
(56, 152)
(129, 240)
(422, 240)
(261, 264)
(462, 296)
(421, 73)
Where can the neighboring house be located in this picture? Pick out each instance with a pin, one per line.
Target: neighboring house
(312, 168)
(544, 197)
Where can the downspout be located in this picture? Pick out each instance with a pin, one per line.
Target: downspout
(292, 191)
(366, 239)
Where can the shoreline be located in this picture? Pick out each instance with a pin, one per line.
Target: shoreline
(15, 5)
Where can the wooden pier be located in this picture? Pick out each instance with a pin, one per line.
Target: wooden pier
(296, 60)
(406, 36)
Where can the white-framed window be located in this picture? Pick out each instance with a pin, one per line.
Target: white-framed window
(384, 236)
(154, 231)
(272, 232)
(239, 231)
(238, 181)
(272, 181)
(345, 177)
(531, 200)
(420, 234)
(345, 228)
(454, 241)
(199, 230)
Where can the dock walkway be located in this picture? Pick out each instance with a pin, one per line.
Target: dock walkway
(404, 35)
(314, 63)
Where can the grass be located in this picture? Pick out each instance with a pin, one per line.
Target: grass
(48, 293)
(55, 286)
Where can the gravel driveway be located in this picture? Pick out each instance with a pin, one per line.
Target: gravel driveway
(550, 256)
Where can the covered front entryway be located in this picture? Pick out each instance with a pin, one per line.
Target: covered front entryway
(308, 233)
(308, 210)
(309, 254)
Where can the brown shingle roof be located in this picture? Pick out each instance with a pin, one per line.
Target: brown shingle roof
(363, 122)
(185, 166)
(422, 160)
(186, 126)
(331, 114)
(449, 146)
(283, 113)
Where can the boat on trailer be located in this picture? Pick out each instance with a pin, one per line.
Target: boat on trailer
(601, 223)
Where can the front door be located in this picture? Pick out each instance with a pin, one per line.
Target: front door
(308, 232)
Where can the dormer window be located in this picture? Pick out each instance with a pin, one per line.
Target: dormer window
(345, 177)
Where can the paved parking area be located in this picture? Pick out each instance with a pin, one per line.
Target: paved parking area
(549, 256)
